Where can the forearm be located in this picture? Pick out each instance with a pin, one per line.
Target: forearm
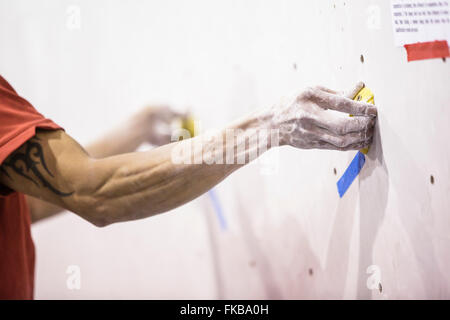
(137, 185)
(125, 138)
(40, 209)
(151, 124)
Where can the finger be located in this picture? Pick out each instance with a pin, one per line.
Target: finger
(358, 146)
(312, 133)
(163, 139)
(335, 102)
(358, 137)
(348, 139)
(179, 114)
(320, 144)
(327, 90)
(330, 146)
(344, 125)
(169, 114)
(341, 142)
(166, 110)
(337, 126)
(351, 94)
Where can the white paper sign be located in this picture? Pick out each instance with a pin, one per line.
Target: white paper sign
(420, 21)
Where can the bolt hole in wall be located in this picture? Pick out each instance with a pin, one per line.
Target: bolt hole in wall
(432, 179)
(361, 58)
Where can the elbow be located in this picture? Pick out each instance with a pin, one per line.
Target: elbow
(96, 198)
(97, 212)
(89, 202)
(99, 222)
(101, 215)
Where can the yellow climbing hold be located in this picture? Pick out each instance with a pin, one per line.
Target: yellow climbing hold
(365, 95)
(189, 125)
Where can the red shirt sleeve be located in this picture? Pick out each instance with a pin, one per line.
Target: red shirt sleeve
(18, 121)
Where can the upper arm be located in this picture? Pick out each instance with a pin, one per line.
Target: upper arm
(50, 166)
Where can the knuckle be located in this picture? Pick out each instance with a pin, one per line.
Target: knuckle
(341, 128)
(363, 135)
(320, 88)
(308, 93)
(305, 118)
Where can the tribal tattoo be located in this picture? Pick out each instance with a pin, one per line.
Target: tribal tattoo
(28, 162)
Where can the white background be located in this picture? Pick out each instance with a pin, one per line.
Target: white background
(289, 235)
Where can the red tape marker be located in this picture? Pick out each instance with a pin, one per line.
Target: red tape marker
(427, 50)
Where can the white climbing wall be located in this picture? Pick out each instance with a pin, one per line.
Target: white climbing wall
(90, 64)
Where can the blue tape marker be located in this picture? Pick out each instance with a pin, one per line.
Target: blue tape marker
(351, 173)
(218, 209)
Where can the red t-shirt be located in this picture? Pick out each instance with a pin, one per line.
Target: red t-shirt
(18, 123)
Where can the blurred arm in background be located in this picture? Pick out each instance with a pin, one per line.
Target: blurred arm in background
(150, 125)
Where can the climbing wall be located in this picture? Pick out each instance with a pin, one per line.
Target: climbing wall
(277, 228)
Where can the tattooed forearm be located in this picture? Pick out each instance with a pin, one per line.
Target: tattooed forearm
(29, 163)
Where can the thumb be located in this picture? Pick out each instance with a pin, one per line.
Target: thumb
(351, 94)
